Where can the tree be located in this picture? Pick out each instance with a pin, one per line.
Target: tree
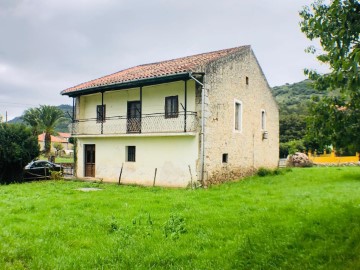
(18, 146)
(32, 117)
(45, 119)
(337, 26)
(58, 146)
(292, 127)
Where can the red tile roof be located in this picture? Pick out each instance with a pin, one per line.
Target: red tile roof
(59, 139)
(154, 70)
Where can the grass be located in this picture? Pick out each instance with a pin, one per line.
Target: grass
(64, 159)
(303, 219)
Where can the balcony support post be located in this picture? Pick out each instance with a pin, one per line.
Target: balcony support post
(140, 102)
(102, 108)
(185, 102)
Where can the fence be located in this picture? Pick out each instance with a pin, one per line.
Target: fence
(332, 158)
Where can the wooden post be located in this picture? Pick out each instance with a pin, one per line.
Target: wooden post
(122, 165)
(191, 180)
(154, 177)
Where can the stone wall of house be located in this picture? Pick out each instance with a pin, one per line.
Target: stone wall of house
(238, 78)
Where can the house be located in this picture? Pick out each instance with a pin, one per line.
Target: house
(199, 119)
(62, 138)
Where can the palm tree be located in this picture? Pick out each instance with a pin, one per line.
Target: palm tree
(44, 118)
(31, 117)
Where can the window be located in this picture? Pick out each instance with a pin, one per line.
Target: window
(100, 113)
(263, 120)
(225, 158)
(238, 116)
(171, 107)
(130, 153)
(247, 80)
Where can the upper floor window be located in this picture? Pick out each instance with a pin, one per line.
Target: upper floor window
(238, 116)
(171, 107)
(100, 113)
(263, 120)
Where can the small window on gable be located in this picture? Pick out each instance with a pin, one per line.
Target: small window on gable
(247, 80)
(238, 116)
(100, 113)
(263, 120)
(225, 158)
(171, 107)
(130, 153)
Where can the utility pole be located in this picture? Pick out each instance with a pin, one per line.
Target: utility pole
(6, 117)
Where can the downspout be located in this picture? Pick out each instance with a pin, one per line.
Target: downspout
(202, 134)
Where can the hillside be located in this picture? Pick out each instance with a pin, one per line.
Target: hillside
(294, 101)
(63, 124)
(294, 98)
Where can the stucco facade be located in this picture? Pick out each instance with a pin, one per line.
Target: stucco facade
(225, 122)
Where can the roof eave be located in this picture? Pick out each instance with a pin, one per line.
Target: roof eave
(129, 84)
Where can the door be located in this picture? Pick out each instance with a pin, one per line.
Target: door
(133, 117)
(89, 160)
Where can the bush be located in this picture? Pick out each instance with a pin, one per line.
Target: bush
(291, 147)
(55, 175)
(299, 160)
(264, 172)
(18, 146)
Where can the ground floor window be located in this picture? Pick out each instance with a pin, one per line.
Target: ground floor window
(130, 153)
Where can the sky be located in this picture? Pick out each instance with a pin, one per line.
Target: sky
(47, 46)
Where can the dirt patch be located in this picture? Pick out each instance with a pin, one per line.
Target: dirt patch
(88, 189)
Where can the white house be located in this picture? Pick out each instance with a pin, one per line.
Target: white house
(199, 119)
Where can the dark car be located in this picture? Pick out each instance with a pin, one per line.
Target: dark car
(40, 169)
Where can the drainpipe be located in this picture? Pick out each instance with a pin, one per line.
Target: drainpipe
(202, 134)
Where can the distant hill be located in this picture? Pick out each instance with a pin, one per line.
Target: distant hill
(63, 124)
(294, 98)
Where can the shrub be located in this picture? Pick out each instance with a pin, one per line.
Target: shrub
(18, 146)
(299, 160)
(264, 171)
(55, 175)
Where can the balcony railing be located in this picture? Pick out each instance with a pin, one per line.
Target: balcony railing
(147, 123)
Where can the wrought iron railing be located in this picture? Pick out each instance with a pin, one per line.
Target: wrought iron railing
(147, 123)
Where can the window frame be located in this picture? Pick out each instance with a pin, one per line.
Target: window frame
(173, 111)
(130, 153)
(263, 120)
(100, 117)
(238, 115)
(225, 158)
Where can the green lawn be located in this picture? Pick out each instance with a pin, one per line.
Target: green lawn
(64, 159)
(305, 219)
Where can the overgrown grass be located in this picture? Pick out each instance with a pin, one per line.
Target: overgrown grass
(303, 219)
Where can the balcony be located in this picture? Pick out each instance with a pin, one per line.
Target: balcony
(147, 123)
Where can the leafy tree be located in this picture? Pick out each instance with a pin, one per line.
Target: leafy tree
(18, 146)
(292, 127)
(44, 118)
(336, 25)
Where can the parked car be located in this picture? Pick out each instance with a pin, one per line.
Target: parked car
(40, 169)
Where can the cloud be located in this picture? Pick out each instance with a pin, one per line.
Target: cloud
(50, 45)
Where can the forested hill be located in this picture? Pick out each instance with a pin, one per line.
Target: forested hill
(294, 98)
(63, 124)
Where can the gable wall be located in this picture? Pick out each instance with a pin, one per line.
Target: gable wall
(225, 83)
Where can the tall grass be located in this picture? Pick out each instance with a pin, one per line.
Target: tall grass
(304, 219)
